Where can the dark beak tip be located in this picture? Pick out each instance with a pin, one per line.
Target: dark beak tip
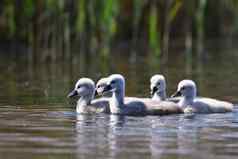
(152, 92)
(176, 94)
(72, 94)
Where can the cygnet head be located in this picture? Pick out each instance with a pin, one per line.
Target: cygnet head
(101, 85)
(115, 83)
(157, 84)
(186, 88)
(85, 87)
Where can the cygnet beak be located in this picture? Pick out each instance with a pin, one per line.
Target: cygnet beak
(105, 89)
(155, 89)
(176, 94)
(72, 94)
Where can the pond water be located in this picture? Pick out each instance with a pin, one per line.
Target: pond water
(38, 121)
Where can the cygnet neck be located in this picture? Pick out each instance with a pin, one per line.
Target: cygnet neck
(160, 96)
(186, 101)
(117, 101)
(82, 103)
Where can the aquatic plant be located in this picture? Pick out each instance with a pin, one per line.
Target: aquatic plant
(94, 26)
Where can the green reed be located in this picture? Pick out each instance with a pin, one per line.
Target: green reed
(154, 34)
(95, 25)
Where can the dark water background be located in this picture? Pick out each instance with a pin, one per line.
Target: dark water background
(37, 120)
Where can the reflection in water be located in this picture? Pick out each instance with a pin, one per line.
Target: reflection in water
(89, 137)
(98, 135)
(60, 132)
(115, 126)
(188, 137)
(117, 121)
(156, 137)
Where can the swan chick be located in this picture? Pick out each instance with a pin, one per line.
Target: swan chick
(191, 103)
(116, 85)
(158, 87)
(85, 90)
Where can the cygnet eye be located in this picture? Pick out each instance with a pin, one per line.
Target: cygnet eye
(78, 86)
(113, 82)
(158, 83)
(99, 86)
(182, 88)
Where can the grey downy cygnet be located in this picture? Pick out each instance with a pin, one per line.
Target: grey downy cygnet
(86, 104)
(191, 104)
(158, 89)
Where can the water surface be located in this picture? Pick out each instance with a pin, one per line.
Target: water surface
(38, 121)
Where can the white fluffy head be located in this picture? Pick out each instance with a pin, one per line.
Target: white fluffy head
(157, 83)
(101, 85)
(83, 87)
(116, 82)
(187, 88)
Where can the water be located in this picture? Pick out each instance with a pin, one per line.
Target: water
(38, 121)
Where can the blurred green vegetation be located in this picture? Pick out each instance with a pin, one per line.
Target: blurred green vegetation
(97, 25)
